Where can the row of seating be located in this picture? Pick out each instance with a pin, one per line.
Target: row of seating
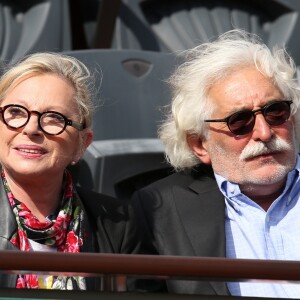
(151, 25)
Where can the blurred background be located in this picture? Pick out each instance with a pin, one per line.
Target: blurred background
(152, 25)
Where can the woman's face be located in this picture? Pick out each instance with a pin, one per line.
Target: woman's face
(28, 150)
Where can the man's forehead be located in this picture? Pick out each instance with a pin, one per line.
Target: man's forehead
(246, 88)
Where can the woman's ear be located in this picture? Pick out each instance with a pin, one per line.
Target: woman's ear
(198, 146)
(86, 140)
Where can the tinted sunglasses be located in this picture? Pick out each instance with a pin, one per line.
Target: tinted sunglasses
(242, 122)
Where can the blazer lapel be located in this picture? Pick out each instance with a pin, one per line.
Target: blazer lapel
(206, 228)
(208, 236)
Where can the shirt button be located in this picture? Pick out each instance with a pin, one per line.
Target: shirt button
(231, 189)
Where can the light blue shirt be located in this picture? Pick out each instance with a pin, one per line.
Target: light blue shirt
(253, 233)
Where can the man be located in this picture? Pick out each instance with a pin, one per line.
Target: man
(232, 135)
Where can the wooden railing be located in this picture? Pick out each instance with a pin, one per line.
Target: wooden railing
(168, 267)
(119, 267)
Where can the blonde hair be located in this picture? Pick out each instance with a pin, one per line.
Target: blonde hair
(67, 67)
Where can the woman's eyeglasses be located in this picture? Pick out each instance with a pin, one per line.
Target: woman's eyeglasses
(50, 122)
(242, 122)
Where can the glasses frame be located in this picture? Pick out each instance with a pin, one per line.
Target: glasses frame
(262, 110)
(68, 122)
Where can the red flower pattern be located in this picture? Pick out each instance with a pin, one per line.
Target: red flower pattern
(60, 232)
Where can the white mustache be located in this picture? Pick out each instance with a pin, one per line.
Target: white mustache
(260, 148)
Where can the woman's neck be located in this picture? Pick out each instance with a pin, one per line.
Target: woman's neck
(41, 198)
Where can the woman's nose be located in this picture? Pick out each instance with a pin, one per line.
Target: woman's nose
(32, 127)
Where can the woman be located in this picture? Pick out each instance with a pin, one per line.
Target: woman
(46, 116)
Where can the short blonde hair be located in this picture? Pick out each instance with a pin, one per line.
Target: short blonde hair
(67, 67)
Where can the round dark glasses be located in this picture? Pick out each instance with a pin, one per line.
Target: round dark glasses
(242, 122)
(50, 122)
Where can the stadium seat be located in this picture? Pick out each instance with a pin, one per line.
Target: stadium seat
(178, 25)
(164, 25)
(120, 167)
(130, 91)
(32, 26)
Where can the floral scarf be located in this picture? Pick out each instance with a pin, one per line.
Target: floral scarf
(64, 231)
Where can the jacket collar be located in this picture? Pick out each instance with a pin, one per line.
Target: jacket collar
(206, 228)
(204, 179)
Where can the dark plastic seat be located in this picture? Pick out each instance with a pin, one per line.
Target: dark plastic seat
(130, 90)
(32, 26)
(126, 154)
(164, 25)
(120, 167)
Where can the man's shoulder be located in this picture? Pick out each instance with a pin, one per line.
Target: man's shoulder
(185, 191)
(97, 198)
(103, 206)
(182, 179)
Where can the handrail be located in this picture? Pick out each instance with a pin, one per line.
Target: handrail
(165, 267)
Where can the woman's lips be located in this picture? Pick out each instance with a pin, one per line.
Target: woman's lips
(30, 151)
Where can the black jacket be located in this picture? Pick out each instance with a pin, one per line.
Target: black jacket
(184, 215)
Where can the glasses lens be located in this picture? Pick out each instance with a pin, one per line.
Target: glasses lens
(241, 122)
(277, 113)
(15, 116)
(52, 123)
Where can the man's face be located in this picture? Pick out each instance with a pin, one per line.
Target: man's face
(229, 154)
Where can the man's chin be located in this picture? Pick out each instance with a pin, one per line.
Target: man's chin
(266, 176)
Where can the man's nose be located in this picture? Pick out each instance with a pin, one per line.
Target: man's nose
(262, 130)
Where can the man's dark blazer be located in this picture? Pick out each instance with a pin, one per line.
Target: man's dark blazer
(184, 215)
(110, 228)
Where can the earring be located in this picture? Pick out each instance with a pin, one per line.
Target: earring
(73, 163)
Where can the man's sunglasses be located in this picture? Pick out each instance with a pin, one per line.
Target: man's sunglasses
(242, 122)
